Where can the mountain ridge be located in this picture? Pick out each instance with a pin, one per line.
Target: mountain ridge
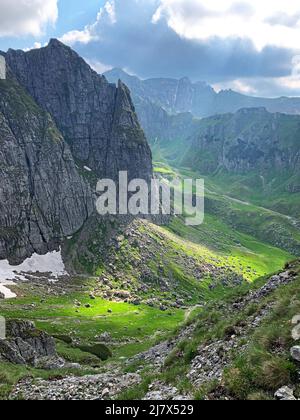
(177, 96)
(96, 118)
(63, 127)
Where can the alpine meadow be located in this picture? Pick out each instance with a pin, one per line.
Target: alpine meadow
(149, 203)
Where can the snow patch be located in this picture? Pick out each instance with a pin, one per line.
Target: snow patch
(87, 169)
(5, 291)
(50, 263)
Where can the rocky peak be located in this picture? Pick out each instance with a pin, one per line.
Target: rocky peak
(96, 118)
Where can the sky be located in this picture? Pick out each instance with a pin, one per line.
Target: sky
(249, 46)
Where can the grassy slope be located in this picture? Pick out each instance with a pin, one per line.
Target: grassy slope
(255, 373)
(133, 329)
(255, 240)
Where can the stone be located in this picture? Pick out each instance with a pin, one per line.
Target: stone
(25, 345)
(285, 394)
(295, 352)
(105, 393)
(105, 337)
(296, 329)
(94, 387)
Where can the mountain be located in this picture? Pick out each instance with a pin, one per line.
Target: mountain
(180, 96)
(36, 209)
(97, 119)
(250, 140)
(252, 155)
(181, 312)
(62, 127)
(174, 96)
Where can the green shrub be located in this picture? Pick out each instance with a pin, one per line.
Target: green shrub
(258, 396)
(65, 338)
(237, 382)
(99, 350)
(275, 373)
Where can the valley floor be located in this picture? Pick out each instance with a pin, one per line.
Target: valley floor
(168, 312)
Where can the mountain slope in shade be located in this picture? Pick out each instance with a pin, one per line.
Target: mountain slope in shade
(249, 140)
(37, 209)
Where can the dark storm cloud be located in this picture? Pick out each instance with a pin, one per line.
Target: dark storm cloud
(155, 50)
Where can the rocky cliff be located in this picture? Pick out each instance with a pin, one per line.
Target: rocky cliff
(42, 196)
(174, 96)
(61, 126)
(96, 118)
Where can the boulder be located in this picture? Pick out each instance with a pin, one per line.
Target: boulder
(295, 352)
(105, 337)
(24, 344)
(285, 394)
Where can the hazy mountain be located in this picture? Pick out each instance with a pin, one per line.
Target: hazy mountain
(251, 141)
(176, 96)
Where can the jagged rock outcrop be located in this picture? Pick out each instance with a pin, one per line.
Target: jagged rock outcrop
(42, 196)
(62, 127)
(174, 96)
(96, 118)
(25, 345)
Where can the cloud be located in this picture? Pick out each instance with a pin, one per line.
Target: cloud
(252, 20)
(83, 37)
(144, 37)
(283, 19)
(106, 16)
(98, 66)
(35, 46)
(29, 17)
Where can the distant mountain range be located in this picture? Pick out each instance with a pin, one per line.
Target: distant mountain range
(249, 146)
(200, 99)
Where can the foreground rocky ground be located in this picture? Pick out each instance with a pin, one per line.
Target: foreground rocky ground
(208, 365)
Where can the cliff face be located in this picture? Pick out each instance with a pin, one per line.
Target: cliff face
(170, 94)
(249, 140)
(42, 196)
(58, 116)
(96, 118)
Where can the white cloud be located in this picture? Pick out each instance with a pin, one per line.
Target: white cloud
(35, 46)
(83, 37)
(239, 85)
(107, 13)
(26, 17)
(98, 66)
(249, 19)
